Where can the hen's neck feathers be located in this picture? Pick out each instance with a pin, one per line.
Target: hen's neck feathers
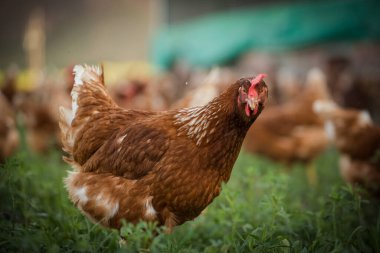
(220, 117)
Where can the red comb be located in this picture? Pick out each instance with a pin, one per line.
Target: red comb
(258, 79)
(254, 82)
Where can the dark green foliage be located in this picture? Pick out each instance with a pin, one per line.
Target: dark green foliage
(264, 208)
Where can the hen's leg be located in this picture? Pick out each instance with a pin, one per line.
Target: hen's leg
(170, 223)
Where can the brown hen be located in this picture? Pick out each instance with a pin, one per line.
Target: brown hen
(154, 166)
(9, 137)
(358, 141)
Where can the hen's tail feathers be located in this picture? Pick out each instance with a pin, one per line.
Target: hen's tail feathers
(89, 96)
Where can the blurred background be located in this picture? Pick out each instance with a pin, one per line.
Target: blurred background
(121, 30)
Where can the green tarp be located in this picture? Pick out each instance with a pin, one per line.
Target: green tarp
(219, 38)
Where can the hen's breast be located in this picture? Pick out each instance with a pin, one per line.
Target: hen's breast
(190, 177)
(186, 192)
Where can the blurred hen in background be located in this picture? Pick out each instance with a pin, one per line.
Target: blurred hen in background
(9, 138)
(358, 140)
(209, 85)
(39, 114)
(135, 85)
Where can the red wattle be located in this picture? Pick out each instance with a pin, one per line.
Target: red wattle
(256, 110)
(247, 111)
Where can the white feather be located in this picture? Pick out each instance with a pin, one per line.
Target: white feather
(364, 118)
(78, 73)
(80, 193)
(150, 211)
(330, 130)
(67, 114)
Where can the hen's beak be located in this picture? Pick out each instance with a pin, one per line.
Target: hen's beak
(255, 99)
(253, 102)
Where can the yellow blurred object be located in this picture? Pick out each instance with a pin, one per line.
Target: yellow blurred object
(27, 80)
(117, 71)
(2, 78)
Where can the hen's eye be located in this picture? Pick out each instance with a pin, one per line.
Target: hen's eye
(244, 84)
(242, 95)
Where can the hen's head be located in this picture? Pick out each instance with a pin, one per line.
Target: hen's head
(252, 95)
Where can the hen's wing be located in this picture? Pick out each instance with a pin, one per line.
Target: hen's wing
(128, 148)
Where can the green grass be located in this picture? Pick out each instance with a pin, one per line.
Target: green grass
(264, 208)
